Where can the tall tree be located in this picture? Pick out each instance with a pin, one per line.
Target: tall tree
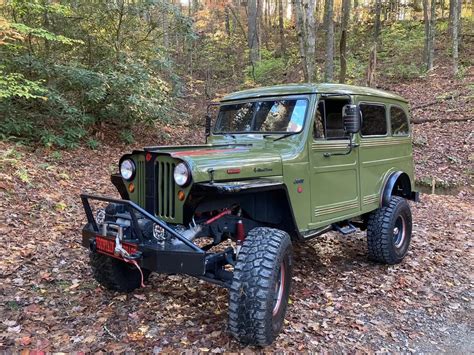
(371, 68)
(306, 30)
(455, 34)
(281, 27)
(329, 28)
(429, 14)
(302, 35)
(346, 10)
(253, 43)
(311, 39)
(356, 11)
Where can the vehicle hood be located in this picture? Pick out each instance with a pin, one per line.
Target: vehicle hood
(227, 162)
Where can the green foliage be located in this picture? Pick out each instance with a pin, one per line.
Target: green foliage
(44, 34)
(127, 136)
(268, 71)
(66, 69)
(56, 155)
(16, 85)
(93, 143)
(402, 49)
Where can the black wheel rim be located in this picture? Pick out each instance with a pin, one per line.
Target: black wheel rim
(399, 232)
(279, 290)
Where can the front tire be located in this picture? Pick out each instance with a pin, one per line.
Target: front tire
(115, 274)
(261, 286)
(389, 232)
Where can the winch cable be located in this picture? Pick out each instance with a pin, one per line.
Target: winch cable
(126, 257)
(134, 262)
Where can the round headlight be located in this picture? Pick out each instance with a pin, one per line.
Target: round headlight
(182, 175)
(127, 169)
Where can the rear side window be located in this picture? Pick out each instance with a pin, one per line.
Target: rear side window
(374, 122)
(399, 121)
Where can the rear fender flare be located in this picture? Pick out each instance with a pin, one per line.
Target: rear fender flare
(399, 180)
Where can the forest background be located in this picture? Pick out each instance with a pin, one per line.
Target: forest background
(83, 82)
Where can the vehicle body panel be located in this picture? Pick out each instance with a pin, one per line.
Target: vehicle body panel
(321, 189)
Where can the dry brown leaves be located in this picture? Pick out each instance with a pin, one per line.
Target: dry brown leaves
(339, 301)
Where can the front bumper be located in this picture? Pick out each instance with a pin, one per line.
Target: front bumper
(179, 257)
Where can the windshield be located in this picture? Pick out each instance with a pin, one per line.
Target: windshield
(269, 116)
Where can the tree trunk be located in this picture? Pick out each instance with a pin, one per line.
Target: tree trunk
(452, 4)
(346, 9)
(261, 29)
(378, 23)
(426, 22)
(329, 65)
(372, 66)
(429, 16)
(253, 31)
(302, 36)
(431, 46)
(455, 35)
(311, 37)
(281, 28)
(227, 21)
(165, 24)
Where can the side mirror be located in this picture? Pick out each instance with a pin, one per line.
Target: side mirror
(351, 118)
(207, 126)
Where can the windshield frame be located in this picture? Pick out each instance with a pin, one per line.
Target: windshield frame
(262, 99)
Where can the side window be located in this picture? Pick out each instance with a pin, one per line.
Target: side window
(374, 121)
(399, 121)
(328, 123)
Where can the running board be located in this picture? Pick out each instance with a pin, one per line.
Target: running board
(345, 230)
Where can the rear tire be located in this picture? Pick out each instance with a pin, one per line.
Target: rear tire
(389, 232)
(261, 286)
(115, 274)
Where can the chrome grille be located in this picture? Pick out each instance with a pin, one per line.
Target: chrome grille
(165, 197)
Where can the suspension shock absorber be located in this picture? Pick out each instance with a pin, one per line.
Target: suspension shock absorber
(239, 232)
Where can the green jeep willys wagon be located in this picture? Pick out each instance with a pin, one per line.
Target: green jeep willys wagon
(281, 165)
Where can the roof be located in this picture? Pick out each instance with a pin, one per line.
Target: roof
(323, 88)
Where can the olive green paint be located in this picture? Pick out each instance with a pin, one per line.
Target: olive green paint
(322, 190)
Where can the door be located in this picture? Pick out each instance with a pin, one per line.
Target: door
(334, 177)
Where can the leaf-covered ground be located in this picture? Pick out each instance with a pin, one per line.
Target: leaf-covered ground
(442, 146)
(340, 301)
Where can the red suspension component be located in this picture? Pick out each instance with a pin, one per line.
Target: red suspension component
(215, 218)
(239, 232)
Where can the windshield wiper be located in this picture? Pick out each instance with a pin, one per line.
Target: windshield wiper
(286, 135)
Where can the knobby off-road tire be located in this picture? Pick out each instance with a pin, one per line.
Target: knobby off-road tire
(115, 274)
(261, 286)
(389, 232)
